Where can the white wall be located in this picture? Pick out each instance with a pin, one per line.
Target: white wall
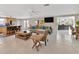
(22, 23)
(45, 24)
(31, 22)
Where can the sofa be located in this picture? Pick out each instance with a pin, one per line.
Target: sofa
(35, 28)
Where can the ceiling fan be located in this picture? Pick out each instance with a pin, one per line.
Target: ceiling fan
(46, 5)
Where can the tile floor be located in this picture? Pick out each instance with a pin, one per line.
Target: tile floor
(59, 42)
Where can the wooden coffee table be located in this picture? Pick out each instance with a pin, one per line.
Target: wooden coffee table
(22, 35)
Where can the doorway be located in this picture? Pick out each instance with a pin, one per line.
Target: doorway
(64, 28)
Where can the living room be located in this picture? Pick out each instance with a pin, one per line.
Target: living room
(37, 28)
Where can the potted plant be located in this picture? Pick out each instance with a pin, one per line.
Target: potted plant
(77, 23)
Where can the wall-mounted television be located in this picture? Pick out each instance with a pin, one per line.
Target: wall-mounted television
(2, 22)
(48, 19)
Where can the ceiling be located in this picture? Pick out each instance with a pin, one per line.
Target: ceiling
(37, 10)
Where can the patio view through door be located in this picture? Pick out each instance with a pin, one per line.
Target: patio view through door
(65, 25)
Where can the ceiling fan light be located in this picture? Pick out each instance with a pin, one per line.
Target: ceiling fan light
(46, 5)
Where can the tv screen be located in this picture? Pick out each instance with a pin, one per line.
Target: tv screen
(49, 19)
(2, 22)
